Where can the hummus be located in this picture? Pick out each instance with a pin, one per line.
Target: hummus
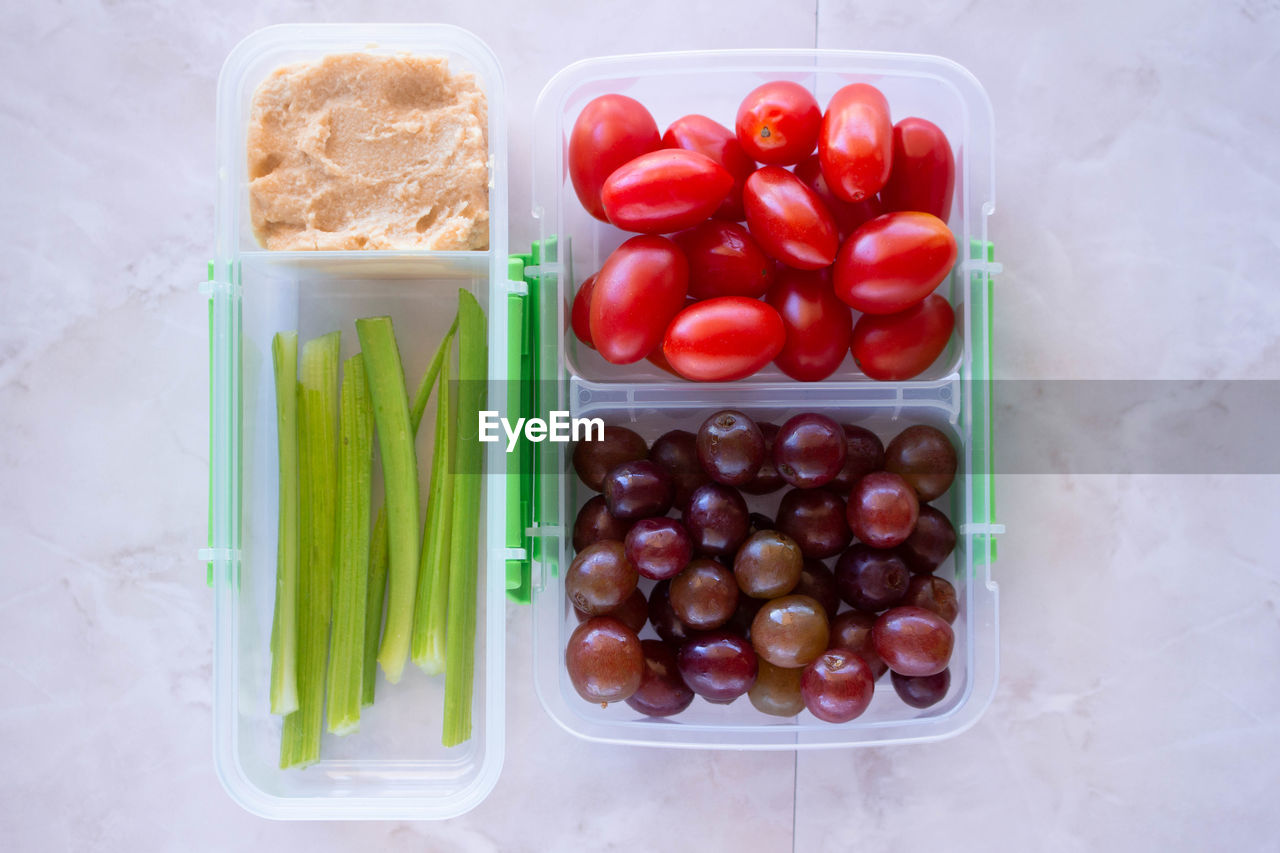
(358, 151)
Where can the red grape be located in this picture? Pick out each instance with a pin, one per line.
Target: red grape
(768, 564)
(933, 593)
(776, 690)
(717, 666)
(871, 579)
(925, 458)
(882, 510)
(852, 630)
(922, 691)
(659, 547)
(816, 520)
(864, 454)
(633, 612)
(677, 452)
(817, 582)
(931, 541)
(594, 523)
(704, 595)
(767, 479)
(638, 489)
(594, 459)
(913, 641)
(600, 578)
(662, 692)
(810, 450)
(664, 618)
(604, 659)
(837, 687)
(716, 519)
(730, 447)
(790, 631)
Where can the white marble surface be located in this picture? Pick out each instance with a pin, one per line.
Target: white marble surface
(1139, 707)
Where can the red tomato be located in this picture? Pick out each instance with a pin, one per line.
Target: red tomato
(724, 260)
(855, 145)
(665, 190)
(788, 219)
(701, 134)
(848, 216)
(580, 316)
(722, 339)
(636, 293)
(818, 324)
(924, 171)
(894, 261)
(778, 123)
(900, 346)
(610, 131)
(657, 359)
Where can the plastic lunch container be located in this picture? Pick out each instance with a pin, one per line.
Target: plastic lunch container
(395, 767)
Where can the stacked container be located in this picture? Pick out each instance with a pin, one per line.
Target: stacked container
(395, 767)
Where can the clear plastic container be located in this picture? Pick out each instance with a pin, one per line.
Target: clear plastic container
(950, 394)
(395, 768)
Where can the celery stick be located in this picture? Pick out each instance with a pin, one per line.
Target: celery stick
(400, 480)
(317, 497)
(373, 606)
(284, 622)
(351, 572)
(378, 552)
(460, 637)
(433, 570)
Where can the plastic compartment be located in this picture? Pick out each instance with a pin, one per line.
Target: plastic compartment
(951, 394)
(395, 766)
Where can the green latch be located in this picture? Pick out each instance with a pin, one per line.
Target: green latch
(522, 374)
(981, 290)
(531, 500)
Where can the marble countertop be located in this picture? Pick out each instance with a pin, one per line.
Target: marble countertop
(1139, 704)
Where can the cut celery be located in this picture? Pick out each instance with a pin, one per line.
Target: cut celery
(460, 638)
(378, 551)
(284, 622)
(428, 644)
(317, 494)
(373, 604)
(351, 570)
(400, 481)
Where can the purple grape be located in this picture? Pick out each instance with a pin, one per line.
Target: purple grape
(730, 447)
(716, 519)
(659, 547)
(639, 489)
(662, 692)
(816, 520)
(810, 450)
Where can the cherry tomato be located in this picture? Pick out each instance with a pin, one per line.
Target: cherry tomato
(724, 260)
(636, 293)
(924, 171)
(855, 145)
(848, 216)
(819, 325)
(778, 123)
(722, 339)
(900, 346)
(666, 190)
(658, 359)
(701, 134)
(610, 131)
(788, 219)
(894, 261)
(580, 316)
